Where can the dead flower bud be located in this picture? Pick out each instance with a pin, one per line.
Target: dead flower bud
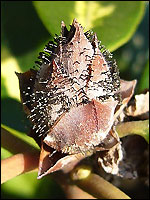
(72, 99)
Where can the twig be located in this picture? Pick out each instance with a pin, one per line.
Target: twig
(96, 185)
(25, 160)
(18, 164)
(74, 192)
(134, 127)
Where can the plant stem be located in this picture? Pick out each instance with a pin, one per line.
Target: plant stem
(18, 164)
(74, 192)
(96, 185)
(134, 127)
(21, 162)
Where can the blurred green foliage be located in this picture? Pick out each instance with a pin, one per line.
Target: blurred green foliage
(144, 80)
(27, 186)
(113, 21)
(28, 26)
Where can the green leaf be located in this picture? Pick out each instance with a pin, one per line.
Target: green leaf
(5, 153)
(114, 21)
(26, 186)
(14, 135)
(10, 83)
(135, 127)
(22, 40)
(144, 82)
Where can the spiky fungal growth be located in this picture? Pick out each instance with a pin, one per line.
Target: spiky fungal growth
(71, 98)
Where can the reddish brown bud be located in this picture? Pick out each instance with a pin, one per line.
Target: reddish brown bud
(71, 98)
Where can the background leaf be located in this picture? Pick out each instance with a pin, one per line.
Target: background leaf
(26, 186)
(22, 40)
(113, 21)
(144, 81)
(17, 137)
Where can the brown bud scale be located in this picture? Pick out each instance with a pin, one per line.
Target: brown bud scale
(73, 96)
